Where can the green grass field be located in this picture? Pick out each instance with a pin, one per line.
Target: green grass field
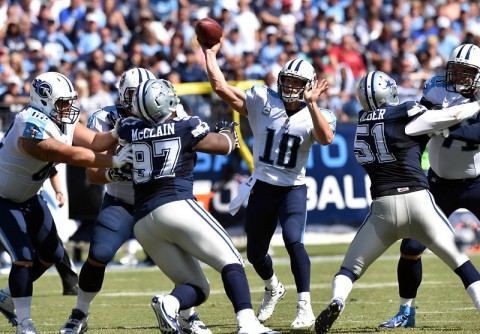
(123, 304)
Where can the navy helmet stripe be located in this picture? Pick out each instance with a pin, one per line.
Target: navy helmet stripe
(460, 51)
(67, 81)
(467, 56)
(373, 90)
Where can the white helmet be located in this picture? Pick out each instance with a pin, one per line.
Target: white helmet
(155, 100)
(129, 82)
(298, 69)
(52, 93)
(463, 69)
(376, 90)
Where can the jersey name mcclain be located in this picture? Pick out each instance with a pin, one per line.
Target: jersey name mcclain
(158, 131)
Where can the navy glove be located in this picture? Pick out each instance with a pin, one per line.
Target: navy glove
(225, 126)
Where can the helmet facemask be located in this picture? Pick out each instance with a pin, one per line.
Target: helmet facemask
(296, 69)
(288, 92)
(52, 93)
(462, 78)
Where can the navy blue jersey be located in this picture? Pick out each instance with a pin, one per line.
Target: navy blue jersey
(163, 159)
(391, 158)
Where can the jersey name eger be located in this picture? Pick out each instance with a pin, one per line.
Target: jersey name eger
(22, 176)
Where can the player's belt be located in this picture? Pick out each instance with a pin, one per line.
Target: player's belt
(398, 191)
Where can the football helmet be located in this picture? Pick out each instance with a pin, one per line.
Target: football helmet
(377, 89)
(129, 82)
(52, 93)
(463, 69)
(298, 69)
(155, 100)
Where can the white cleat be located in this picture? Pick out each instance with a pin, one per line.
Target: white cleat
(305, 316)
(255, 327)
(270, 298)
(193, 325)
(26, 327)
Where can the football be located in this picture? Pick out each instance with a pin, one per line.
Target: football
(208, 31)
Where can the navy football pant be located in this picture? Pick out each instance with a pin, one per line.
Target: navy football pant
(267, 206)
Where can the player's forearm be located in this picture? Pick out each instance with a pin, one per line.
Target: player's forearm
(97, 175)
(434, 120)
(323, 134)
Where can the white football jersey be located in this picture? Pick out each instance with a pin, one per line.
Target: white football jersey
(281, 144)
(448, 157)
(99, 122)
(21, 176)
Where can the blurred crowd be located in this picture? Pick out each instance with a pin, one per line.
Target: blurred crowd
(94, 41)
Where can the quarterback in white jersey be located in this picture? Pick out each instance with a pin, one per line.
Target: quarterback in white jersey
(40, 137)
(454, 156)
(285, 125)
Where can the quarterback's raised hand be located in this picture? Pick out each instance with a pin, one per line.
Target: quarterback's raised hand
(123, 157)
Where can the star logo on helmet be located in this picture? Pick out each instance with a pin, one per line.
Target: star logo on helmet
(389, 84)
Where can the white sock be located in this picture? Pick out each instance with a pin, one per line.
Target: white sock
(185, 314)
(410, 302)
(304, 296)
(245, 317)
(271, 283)
(84, 300)
(171, 304)
(341, 287)
(474, 292)
(22, 307)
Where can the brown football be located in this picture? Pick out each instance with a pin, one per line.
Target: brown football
(208, 31)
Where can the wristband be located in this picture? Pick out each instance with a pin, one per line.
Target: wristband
(230, 144)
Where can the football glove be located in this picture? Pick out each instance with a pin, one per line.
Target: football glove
(225, 126)
(117, 175)
(123, 157)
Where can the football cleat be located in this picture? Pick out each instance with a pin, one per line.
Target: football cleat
(7, 308)
(26, 327)
(270, 298)
(305, 317)
(255, 327)
(328, 316)
(404, 318)
(167, 320)
(193, 325)
(77, 323)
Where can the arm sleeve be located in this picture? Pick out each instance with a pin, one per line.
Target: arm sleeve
(433, 120)
(467, 132)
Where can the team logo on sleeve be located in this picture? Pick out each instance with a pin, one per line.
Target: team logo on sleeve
(42, 88)
(266, 110)
(33, 132)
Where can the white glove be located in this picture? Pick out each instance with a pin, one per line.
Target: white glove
(444, 133)
(123, 157)
(115, 129)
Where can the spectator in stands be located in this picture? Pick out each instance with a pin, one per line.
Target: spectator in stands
(13, 37)
(98, 96)
(248, 25)
(381, 48)
(347, 52)
(68, 16)
(270, 51)
(90, 40)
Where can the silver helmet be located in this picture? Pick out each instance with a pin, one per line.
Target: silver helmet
(377, 89)
(155, 100)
